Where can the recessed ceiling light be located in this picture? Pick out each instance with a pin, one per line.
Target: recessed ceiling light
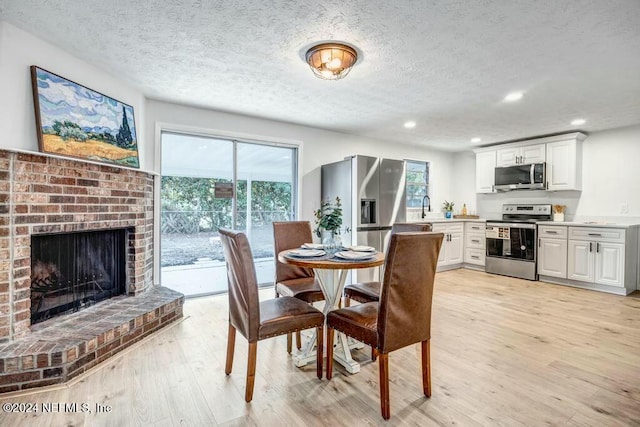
(476, 140)
(578, 122)
(410, 125)
(513, 96)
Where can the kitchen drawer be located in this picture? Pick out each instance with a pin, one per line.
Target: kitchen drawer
(552, 231)
(474, 256)
(475, 240)
(456, 227)
(475, 227)
(614, 235)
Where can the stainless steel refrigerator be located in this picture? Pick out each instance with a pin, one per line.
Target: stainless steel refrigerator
(373, 195)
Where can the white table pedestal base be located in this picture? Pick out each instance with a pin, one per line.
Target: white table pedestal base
(332, 283)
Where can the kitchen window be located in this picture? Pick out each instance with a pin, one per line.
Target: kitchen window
(417, 182)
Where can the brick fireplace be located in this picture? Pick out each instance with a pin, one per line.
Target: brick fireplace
(45, 195)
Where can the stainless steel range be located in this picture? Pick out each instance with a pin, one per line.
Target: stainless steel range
(511, 240)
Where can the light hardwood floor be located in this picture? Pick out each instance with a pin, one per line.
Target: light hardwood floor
(505, 352)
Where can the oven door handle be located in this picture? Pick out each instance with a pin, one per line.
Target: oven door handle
(527, 225)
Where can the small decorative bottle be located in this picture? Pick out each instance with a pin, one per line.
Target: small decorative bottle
(463, 212)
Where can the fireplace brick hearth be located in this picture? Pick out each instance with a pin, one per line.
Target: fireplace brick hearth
(41, 194)
(62, 348)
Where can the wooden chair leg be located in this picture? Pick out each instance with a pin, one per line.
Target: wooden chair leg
(298, 340)
(347, 302)
(251, 371)
(383, 360)
(231, 343)
(329, 352)
(374, 354)
(426, 368)
(319, 351)
(289, 343)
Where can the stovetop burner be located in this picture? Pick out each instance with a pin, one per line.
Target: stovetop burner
(524, 213)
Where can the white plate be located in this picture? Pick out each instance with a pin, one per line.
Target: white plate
(362, 248)
(312, 246)
(352, 255)
(306, 252)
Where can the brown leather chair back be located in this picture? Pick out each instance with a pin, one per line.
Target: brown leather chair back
(244, 303)
(290, 235)
(403, 227)
(404, 315)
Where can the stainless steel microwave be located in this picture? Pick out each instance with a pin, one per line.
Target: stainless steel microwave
(521, 177)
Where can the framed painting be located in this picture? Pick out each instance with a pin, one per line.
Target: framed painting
(75, 121)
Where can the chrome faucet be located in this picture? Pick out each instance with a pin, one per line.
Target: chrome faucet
(426, 197)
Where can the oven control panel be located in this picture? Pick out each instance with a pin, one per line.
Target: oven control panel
(498, 232)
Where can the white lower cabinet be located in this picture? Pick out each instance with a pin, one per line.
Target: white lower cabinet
(552, 251)
(598, 262)
(452, 250)
(598, 256)
(474, 243)
(603, 258)
(581, 261)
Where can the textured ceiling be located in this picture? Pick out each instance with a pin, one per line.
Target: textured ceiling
(445, 64)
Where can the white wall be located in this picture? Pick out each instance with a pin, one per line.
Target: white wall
(610, 178)
(18, 51)
(463, 177)
(318, 146)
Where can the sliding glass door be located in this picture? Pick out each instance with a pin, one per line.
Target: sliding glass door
(208, 183)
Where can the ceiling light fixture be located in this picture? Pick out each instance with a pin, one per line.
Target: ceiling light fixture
(410, 124)
(331, 61)
(476, 140)
(578, 122)
(513, 96)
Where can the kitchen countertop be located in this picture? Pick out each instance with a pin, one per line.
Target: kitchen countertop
(444, 220)
(599, 224)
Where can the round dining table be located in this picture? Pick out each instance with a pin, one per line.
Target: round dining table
(331, 272)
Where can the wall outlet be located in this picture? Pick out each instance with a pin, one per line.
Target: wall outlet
(624, 208)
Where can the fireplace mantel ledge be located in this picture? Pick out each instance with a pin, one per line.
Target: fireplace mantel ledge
(75, 159)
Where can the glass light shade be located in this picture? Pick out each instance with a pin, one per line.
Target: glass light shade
(331, 61)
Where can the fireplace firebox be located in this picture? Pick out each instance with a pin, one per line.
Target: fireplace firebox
(70, 271)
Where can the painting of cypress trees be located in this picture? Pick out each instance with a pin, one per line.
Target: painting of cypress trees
(73, 120)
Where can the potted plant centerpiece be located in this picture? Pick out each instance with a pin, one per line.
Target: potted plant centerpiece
(448, 209)
(329, 224)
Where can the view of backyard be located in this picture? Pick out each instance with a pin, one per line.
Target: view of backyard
(199, 196)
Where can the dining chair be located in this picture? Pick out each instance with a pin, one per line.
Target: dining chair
(290, 280)
(370, 291)
(257, 320)
(402, 316)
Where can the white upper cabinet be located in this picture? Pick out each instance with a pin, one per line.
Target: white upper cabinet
(564, 164)
(561, 153)
(522, 155)
(485, 171)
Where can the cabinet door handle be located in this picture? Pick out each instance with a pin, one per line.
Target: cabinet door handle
(475, 257)
(590, 246)
(594, 234)
(475, 240)
(539, 243)
(551, 232)
(597, 247)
